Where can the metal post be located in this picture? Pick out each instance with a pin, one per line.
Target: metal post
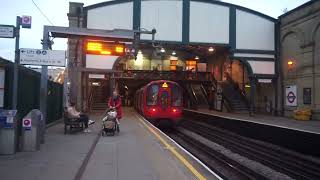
(252, 94)
(15, 65)
(44, 79)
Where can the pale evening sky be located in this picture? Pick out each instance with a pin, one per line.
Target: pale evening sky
(56, 11)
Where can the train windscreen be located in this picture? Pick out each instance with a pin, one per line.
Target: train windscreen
(152, 95)
(176, 98)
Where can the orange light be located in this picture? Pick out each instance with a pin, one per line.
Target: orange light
(94, 46)
(174, 110)
(105, 48)
(106, 52)
(119, 49)
(290, 62)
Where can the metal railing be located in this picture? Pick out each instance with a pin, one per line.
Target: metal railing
(168, 75)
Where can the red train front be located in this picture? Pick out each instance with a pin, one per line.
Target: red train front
(160, 100)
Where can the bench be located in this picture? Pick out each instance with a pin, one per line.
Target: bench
(73, 123)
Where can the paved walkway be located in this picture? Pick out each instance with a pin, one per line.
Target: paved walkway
(310, 126)
(59, 158)
(136, 153)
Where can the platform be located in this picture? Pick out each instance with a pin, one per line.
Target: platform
(311, 126)
(138, 152)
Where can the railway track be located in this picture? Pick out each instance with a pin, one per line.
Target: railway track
(223, 165)
(284, 161)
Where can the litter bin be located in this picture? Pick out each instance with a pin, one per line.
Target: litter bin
(32, 131)
(8, 132)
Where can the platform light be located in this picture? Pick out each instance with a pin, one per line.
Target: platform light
(95, 84)
(162, 50)
(211, 49)
(173, 53)
(196, 58)
(290, 62)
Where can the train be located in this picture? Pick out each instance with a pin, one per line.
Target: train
(160, 101)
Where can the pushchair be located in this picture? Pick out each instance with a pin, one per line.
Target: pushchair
(109, 122)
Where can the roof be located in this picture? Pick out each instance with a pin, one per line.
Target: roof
(309, 3)
(113, 2)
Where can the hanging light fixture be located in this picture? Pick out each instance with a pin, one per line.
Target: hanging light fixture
(196, 58)
(173, 53)
(211, 49)
(162, 50)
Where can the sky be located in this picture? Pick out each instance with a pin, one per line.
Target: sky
(56, 11)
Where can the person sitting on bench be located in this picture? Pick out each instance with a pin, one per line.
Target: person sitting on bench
(80, 116)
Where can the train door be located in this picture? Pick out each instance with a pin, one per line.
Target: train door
(164, 96)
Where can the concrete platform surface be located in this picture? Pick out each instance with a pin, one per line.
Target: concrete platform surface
(284, 122)
(136, 153)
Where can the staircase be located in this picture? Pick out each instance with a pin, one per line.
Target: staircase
(236, 100)
(99, 98)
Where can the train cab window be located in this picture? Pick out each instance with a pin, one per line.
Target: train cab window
(152, 95)
(176, 98)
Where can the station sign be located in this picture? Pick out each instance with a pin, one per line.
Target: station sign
(96, 76)
(26, 22)
(291, 95)
(26, 124)
(42, 57)
(6, 31)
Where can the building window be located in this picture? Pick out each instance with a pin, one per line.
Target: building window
(173, 65)
(191, 65)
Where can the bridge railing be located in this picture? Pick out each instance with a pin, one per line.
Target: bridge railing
(168, 75)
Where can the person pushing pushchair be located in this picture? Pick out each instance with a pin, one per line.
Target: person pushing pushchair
(115, 102)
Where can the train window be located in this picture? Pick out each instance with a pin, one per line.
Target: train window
(152, 95)
(176, 98)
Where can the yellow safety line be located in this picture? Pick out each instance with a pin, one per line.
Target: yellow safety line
(173, 151)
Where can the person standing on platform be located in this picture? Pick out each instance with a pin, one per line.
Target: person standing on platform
(115, 102)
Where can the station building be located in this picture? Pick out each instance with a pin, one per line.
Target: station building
(233, 46)
(300, 59)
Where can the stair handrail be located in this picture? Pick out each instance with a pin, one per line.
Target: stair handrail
(242, 92)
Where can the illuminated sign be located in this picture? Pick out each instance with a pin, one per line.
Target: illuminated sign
(105, 48)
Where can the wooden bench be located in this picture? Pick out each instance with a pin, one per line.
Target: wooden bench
(73, 123)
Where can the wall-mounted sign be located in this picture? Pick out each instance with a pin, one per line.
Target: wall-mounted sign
(306, 95)
(291, 95)
(265, 80)
(6, 31)
(42, 57)
(96, 76)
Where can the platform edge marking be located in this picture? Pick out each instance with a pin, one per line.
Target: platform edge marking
(172, 149)
(247, 120)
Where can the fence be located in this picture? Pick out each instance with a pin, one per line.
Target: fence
(29, 92)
